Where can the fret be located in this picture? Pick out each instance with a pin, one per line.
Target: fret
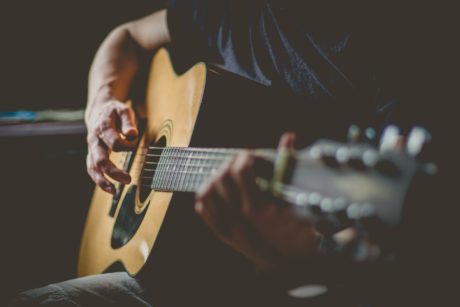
(207, 168)
(158, 170)
(189, 170)
(176, 162)
(183, 156)
(169, 167)
(194, 176)
(210, 168)
(161, 170)
(215, 163)
(185, 180)
(172, 168)
(186, 169)
(200, 172)
(156, 174)
(206, 165)
(180, 168)
(189, 173)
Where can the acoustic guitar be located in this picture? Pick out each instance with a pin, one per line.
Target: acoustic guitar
(343, 184)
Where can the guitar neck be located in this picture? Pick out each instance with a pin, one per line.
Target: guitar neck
(186, 169)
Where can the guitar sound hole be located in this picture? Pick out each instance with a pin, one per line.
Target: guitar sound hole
(150, 166)
(127, 222)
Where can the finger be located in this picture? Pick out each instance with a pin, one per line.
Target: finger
(226, 187)
(400, 144)
(204, 207)
(116, 174)
(102, 163)
(391, 139)
(97, 176)
(128, 121)
(235, 236)
(287, 140)
(113, 140)
(244, 177)
(228, 203)
(221, 197)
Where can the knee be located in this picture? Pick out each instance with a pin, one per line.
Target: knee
(37, 297)
(21, 300)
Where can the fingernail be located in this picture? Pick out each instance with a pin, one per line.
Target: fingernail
(131, 132)
(126, 179)
(199, 207)
(108, 188)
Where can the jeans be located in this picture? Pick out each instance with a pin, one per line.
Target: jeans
(114, 289)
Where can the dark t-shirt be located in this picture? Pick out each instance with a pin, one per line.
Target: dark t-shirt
(374, 63)
(366, 64)
(349, 58)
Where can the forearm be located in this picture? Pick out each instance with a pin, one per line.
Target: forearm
(116, 62)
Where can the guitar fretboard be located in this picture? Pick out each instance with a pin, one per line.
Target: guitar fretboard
(185, 169)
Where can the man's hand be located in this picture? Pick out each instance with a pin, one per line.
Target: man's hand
(110, 122)
(111, 126)
(240, 214)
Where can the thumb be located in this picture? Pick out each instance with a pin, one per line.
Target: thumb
(128, 122)
(287, 140)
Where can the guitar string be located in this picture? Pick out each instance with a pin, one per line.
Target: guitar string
(187, 172)
(176, 166)
(288, 193)
(146, 164)
(218, 151)
(177, 156)
(179, 163)
(180, 156)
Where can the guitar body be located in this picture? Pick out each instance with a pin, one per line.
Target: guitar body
(172, 104)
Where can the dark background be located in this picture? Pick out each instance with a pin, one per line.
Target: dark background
(48, 45)
(46, 50)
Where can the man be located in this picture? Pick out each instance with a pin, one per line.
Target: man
(330, 56)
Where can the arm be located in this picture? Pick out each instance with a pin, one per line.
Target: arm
(111, 74)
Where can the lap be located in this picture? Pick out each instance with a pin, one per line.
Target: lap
(97, 290)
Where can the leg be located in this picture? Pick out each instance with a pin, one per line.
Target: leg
(98, 290)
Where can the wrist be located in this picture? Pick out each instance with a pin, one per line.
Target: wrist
(102, 96)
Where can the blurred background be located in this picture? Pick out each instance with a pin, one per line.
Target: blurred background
(46, 50)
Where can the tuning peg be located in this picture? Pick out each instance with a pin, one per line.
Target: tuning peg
(390, 138)
(329, 156)
(360, 211)
(370, 134)
(355, 160)
(327, 153)
(418, 137)
(354, 133)
(314, 202)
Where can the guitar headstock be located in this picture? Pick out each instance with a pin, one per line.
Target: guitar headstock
(344, 184)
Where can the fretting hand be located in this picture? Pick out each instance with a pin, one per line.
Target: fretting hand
(240, 214)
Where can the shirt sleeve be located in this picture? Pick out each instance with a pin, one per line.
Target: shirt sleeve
(193, 27)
